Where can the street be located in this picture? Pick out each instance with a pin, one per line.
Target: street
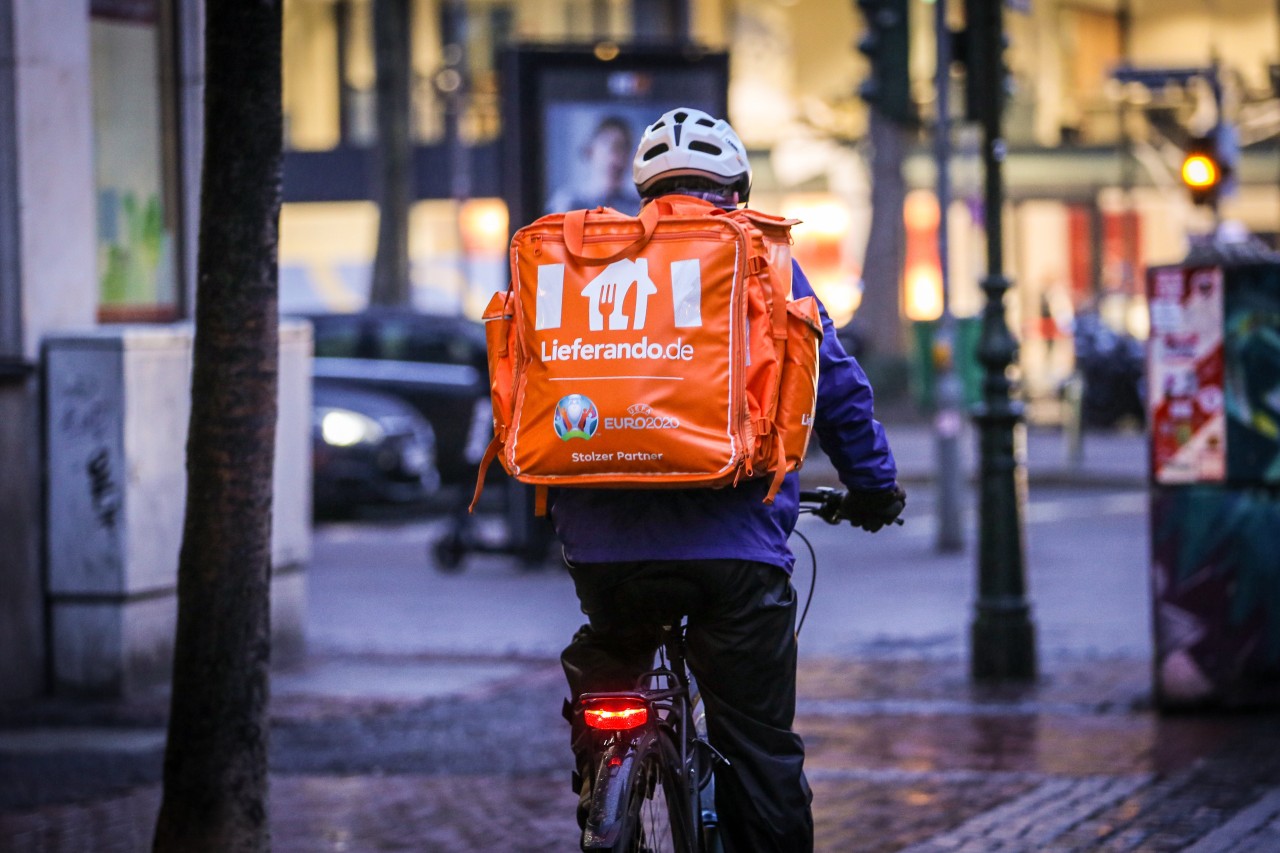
(426, 716)
(888, 592)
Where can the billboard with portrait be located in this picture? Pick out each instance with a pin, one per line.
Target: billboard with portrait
(573, 115)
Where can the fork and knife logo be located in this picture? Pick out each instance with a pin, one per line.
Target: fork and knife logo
(607, 293)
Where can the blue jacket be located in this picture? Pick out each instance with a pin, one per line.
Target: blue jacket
(616, 525)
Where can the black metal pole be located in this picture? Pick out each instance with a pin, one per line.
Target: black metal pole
(947, 419)
(453, 15)
(1002, 635)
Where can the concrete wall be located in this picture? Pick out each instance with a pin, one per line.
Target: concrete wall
(54, 126)
(47, 280)
(118, 402)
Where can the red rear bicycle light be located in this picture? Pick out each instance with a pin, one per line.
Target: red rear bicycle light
(616, 715)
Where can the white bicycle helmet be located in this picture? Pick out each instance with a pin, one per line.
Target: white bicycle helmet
(685, 141)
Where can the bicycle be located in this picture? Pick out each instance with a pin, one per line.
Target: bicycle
(654, 787)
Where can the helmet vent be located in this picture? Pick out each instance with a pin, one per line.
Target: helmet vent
(680, 117)
(705, 148)
(661, 148)
(705, 122)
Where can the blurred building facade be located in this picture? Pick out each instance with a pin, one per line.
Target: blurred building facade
(1092, 170)
(99, 171)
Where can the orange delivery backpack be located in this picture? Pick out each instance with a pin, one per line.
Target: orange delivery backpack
(653, 351)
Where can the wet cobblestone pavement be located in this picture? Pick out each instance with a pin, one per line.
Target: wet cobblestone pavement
(903, 755)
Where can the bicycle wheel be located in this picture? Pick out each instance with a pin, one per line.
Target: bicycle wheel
(658, 817)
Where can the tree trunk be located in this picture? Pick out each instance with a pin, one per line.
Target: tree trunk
(394, 181)
(215, 764)
(879, 319)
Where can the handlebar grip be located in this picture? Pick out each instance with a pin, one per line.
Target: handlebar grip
(827, 500)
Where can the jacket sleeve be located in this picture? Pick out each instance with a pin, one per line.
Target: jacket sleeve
(845, 421)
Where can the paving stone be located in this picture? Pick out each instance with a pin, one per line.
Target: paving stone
(1250, 828)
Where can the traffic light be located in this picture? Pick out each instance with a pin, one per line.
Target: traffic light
(887, 46)
(1208, 166)
(980, 48)
(1200, 172)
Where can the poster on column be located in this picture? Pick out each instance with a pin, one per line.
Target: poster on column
(1185, 375)
(572, 116)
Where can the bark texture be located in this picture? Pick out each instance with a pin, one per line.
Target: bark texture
(215, 766)
(394, 182)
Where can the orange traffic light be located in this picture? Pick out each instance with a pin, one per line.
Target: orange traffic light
(1204, 171)
(1199, 171)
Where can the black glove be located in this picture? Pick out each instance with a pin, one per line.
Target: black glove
(872, 510)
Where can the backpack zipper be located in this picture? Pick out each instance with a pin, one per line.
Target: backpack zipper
(737, 379)
(538, 239)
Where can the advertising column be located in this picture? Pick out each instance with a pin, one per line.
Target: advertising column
(1214, 406)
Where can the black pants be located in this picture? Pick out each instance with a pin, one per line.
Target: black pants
(741, 648)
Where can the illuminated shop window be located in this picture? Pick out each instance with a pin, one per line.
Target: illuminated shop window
(458, 255)
(137, 276)
(822, 248)
(330, 73)
(310, 74)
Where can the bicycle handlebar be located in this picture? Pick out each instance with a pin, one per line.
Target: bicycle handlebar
(825, 502)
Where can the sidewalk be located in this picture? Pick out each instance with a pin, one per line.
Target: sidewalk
(1102, 458)
(402, 734)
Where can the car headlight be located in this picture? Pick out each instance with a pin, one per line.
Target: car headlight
(345, 428)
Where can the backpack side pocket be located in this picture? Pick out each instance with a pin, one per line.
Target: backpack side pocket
(798, 386)
(499, 340)
(498, 333)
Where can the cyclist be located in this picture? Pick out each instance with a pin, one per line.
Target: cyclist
(639, 558)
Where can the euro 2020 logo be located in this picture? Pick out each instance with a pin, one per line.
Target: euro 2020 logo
(576, 417)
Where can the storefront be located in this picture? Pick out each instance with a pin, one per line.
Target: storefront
(1093, 190)
(100, 138)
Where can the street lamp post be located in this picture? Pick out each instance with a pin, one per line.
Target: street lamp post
(1002, 635)
(947, 418)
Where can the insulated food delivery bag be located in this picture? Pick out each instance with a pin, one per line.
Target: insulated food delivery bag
(649, 351)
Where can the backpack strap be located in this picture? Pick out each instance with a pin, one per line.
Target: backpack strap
(758, 265)
(779, 465)
(490, 453)
(575, 226)
(765, 225)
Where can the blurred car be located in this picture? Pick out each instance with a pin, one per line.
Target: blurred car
(435, 363)
(368, 449)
